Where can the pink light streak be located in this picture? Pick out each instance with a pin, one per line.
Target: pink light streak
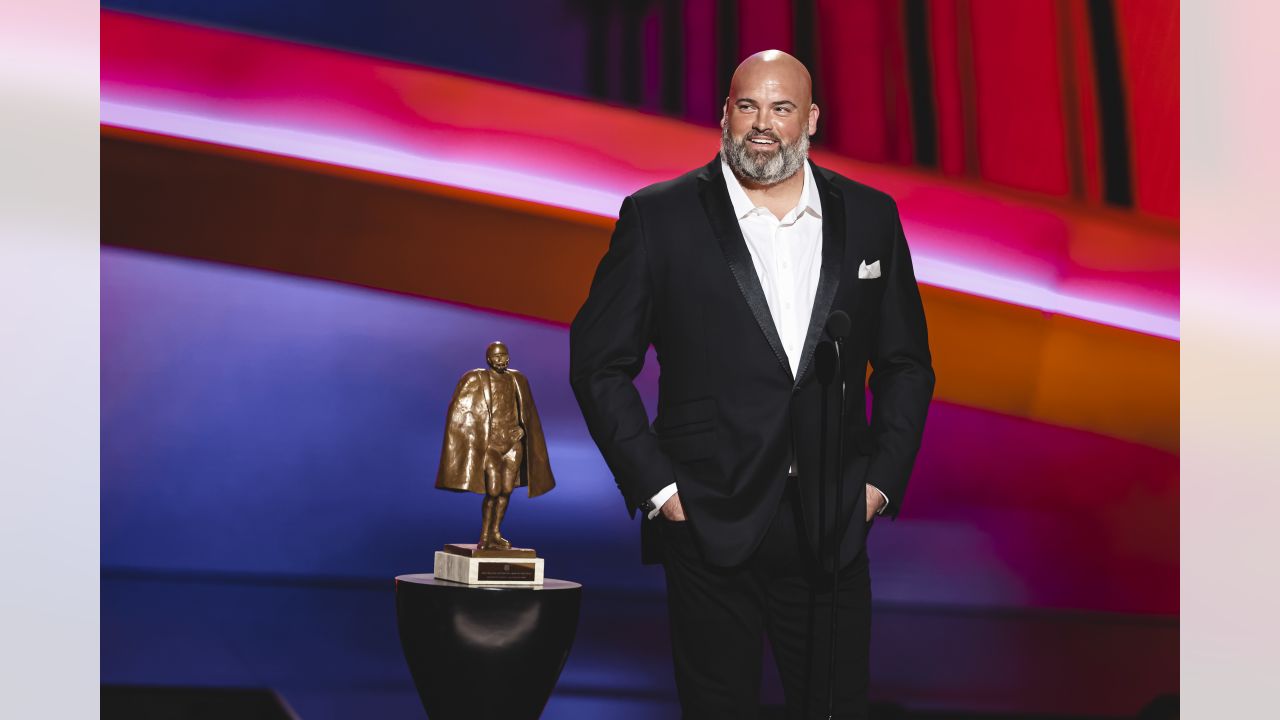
(488, 177)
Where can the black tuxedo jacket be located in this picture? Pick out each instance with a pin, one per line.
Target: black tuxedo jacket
(731, 417)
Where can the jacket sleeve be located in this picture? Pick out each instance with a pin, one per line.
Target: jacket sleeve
(902, 376)
(607, 344)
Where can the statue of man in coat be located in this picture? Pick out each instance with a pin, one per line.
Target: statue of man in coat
(493, 442)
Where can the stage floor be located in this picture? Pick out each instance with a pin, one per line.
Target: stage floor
(330, 649)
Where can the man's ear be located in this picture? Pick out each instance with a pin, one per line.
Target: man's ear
(813, 118)
(724, 113)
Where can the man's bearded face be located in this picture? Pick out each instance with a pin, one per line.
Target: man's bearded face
(769, 159)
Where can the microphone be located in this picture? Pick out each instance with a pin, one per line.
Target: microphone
(827, 357)
(839, 325)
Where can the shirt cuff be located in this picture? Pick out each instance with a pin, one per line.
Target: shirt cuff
(886, 499)
(661, 499)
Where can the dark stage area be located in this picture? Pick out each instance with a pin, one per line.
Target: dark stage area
(228, 646)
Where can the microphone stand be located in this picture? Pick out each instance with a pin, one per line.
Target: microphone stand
(838, 326)
(838, 536)
(826, 360)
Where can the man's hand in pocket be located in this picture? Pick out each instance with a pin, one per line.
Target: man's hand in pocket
(672, 509)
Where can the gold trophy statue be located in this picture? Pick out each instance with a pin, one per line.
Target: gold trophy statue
(493, 444)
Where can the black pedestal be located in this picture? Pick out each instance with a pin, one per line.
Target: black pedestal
(485, 652)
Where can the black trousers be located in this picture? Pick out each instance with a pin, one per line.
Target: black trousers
(719, 617)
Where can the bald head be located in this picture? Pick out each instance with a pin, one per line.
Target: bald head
(777, 69)
(768, 118)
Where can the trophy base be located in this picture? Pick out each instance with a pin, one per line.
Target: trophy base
(488, 570)
(472, 550)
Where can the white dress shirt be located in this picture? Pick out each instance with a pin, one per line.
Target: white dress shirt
(787, 255)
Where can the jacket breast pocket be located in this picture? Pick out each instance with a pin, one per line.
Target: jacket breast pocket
(687, 431)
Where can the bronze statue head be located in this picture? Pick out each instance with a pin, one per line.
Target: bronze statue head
(498, 356)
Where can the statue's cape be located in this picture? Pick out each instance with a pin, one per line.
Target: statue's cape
(466, 435)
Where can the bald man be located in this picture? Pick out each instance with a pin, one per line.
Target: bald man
(730, 272)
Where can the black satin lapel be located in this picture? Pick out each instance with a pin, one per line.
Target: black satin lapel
(714, 194)
(833, 242)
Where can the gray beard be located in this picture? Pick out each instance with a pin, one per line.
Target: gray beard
(763, 169)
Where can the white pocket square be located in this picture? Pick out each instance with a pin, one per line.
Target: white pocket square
(866, 272)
